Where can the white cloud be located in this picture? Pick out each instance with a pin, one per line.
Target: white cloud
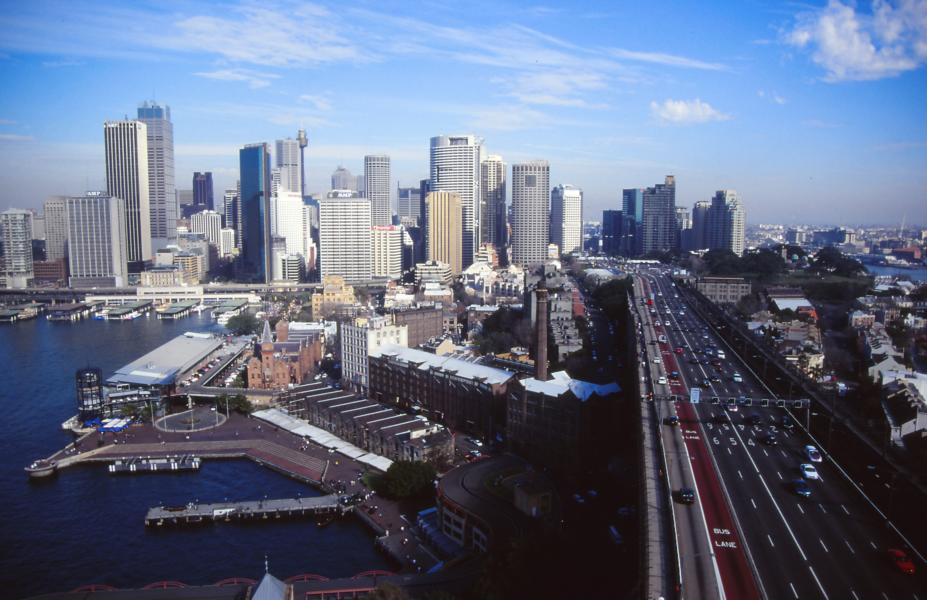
(508, 118)
(772, 97)
(686, 111)
(853, 46)
(254, 79)
(57, 64)
(317, 102)
(12, 137)
(670, 60)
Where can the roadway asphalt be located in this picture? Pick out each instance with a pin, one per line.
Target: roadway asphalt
(830, 545)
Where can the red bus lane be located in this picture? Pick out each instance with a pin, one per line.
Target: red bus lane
(736, 576)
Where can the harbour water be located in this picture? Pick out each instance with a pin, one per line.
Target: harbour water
(917, 275)
(87, 526)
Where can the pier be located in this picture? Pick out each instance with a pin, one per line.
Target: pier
(170, 464)
(258, 509)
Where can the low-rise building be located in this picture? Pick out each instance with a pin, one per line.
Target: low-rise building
(905, 411)
(166, 276)
(334, 293)
(278, 364)
(433, 272)
(723, 290)
(361, 338)
(423, 322)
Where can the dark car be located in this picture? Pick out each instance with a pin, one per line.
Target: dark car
(801, 488)
(673, 420)
(754, 420)
(902, 561)
(787, 423)
(686, 495)
(706, 382)
(770, 440)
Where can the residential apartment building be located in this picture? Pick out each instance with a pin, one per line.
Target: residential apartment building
(360, 339)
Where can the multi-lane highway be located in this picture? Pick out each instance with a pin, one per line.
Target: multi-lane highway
(831, 544)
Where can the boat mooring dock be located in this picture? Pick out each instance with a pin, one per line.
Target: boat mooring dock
(258, 509)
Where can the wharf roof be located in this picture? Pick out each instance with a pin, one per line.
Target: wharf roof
(426, 360)
(563, 383)
(162, 365)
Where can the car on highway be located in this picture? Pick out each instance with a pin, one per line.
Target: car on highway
(770, 440)
(801, 488)
(715, 379)
(787, 423)
(812, 453)
(667, 323)
(736, 378)
(678, 350)
(657, 360)
(754, 419)
(706, 382)
(662, 380)
(672, 421)
(732, 407)
(901, 560)
(808, 471)
(686, 495)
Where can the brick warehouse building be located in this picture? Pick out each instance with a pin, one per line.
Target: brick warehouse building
(461, 394)
(278, 364)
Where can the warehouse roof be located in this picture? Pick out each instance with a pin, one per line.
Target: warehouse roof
(162, 365)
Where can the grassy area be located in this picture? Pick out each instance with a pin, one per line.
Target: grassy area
(495, 485)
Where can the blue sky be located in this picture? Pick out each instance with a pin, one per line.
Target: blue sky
(814, 113)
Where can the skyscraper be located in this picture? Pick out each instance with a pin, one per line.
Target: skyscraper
(530, 212)
(659, 217)
(343, 180)
(725, 223)
(202, 191)
(700, 225)
(288, 221)
(344, 236)
(684, 233)
(444, 218)
(566, 218)
(376, 182)
(208, 223)
(632, 206)
(231, 215)
(127, 160)
(97, 248)
(288, 159)
(16, 245)
(493, 225)
(409, 203)
(387, 251)
(455, 167)
(618, 230)
(56, 228)
(162, 201)
(254, 195)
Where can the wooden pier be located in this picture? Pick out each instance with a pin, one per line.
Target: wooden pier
(243, 511)
(168, 464)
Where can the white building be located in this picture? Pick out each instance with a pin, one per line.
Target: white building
(288, 160)
(226, 242)
(376, 182)
(97, 249)
(16, 244)
(126, 144)
(530, 212)
(344, 236)
(387, 251)
(726, 220)
(162, 199)
(208, 223)
(288, 267)
(287, 220)
(360, 339)
(56, 228)
(566, 218)
(455, 167)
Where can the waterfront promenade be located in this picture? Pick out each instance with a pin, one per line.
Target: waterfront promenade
(292, 455)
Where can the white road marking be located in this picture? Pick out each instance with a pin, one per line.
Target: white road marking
(779, 474)
(854, 594)
(739, 473)
(766, 453)
(753, 503)
(800, 508)
(874, 547)
(729, 451)
(818, 581)
(794, 593)
(824, 510)
(844, 509)
(783, 453)
(849, 546)
(768, 537)
(822, 545)
(884, 595)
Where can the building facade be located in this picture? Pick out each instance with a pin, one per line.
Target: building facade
(227, 242)
(423, 322)
(409, 203)
(208, 223)
(444, 220)
(97, 248)
(287, 220)
(725, 223)
(289, 164)
(16, 248)
(723, 290)
(387, 251)
(56, 228)
(344, 236)
(566, 218)
(254, 195)
(377, 187)
(494, 217)
(342, 179)
(162, 199)
(659, 217)
(127, 159)
(361, 338)
(455, 167)
(530, 212)
(335, 293)
(277, 364)
(203, 191)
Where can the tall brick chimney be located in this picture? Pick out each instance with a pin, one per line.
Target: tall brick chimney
(540, 358)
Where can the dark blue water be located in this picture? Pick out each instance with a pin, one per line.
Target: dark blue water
(86, 526)
(917, 275)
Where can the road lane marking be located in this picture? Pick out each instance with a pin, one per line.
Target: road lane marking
(783, 453)
(766, 453)
(794, 593)
(874, 547)
(844, 509)
(818, 581)
(780, 475)
(800, 508)
(849, 546)
(824, 510)
(854, 594)
(729, 451)
(822, 545)
(769, 537)
(753, 503)
(739, 473)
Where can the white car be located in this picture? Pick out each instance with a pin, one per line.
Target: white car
(657, 360)
(808, 471)
(661, 380)
(812, 453)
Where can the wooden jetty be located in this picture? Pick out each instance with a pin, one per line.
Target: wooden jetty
(168, 464)
(254, 510)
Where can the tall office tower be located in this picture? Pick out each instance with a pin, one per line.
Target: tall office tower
(254, 195)
(700, 224)
(455, 167)
(56, 228)
(725, 228)
(566, 218)
(162, 201)
(409, 203)
(97, 245)
(530, 212)
(492, 204)
(127, 160)
(16, 245)
(444, 219)
(288, 159)
(387, 251)
(659, 217)
(208, 223)
(311, 225)
(343, 180)
(360, 184)
(288, 216)
(632, 205)
(344, 236)
(202, 191)
(303, 141)
(376, 182)
(226, 242)
(231, 215)
(684, 233)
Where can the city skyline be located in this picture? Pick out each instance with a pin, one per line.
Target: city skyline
(764, 100)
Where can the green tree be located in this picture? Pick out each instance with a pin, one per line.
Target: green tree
(406, 479)
(238, 403)
(832, 261)
(723, 263)
(388, 591)
(244, 324)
